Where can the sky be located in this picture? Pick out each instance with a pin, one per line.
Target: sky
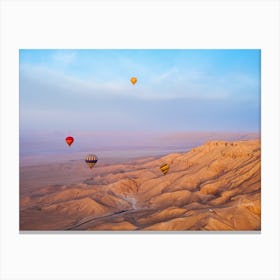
(75, 91)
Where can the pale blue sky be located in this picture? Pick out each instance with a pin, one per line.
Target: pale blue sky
(71, 91)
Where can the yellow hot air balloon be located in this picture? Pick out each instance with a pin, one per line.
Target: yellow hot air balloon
(133, 80)
(164, 168)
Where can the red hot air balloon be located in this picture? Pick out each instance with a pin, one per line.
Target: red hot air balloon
(69, 140)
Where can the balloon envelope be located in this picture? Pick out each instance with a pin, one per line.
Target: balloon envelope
(133, 80)
(91, 160)
(164, 168)
(69, 140)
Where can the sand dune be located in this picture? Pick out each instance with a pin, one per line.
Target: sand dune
(216, 186)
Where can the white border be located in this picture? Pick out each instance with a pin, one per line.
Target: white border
(135, 24)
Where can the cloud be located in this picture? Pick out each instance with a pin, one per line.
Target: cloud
(62, 57)
(70, 85)
(167, 85)
(165, 76)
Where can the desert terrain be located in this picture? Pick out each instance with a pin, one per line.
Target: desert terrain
(215, 186)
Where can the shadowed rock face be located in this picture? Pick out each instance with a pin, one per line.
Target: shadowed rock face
(215, 186)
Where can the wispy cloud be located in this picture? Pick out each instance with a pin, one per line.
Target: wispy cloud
(167, 75)
(171, 84)
(69, 84)
(63, 57)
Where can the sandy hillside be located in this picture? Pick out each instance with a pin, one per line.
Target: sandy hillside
(216, 186)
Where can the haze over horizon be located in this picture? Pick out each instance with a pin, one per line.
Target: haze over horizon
(117, 146)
